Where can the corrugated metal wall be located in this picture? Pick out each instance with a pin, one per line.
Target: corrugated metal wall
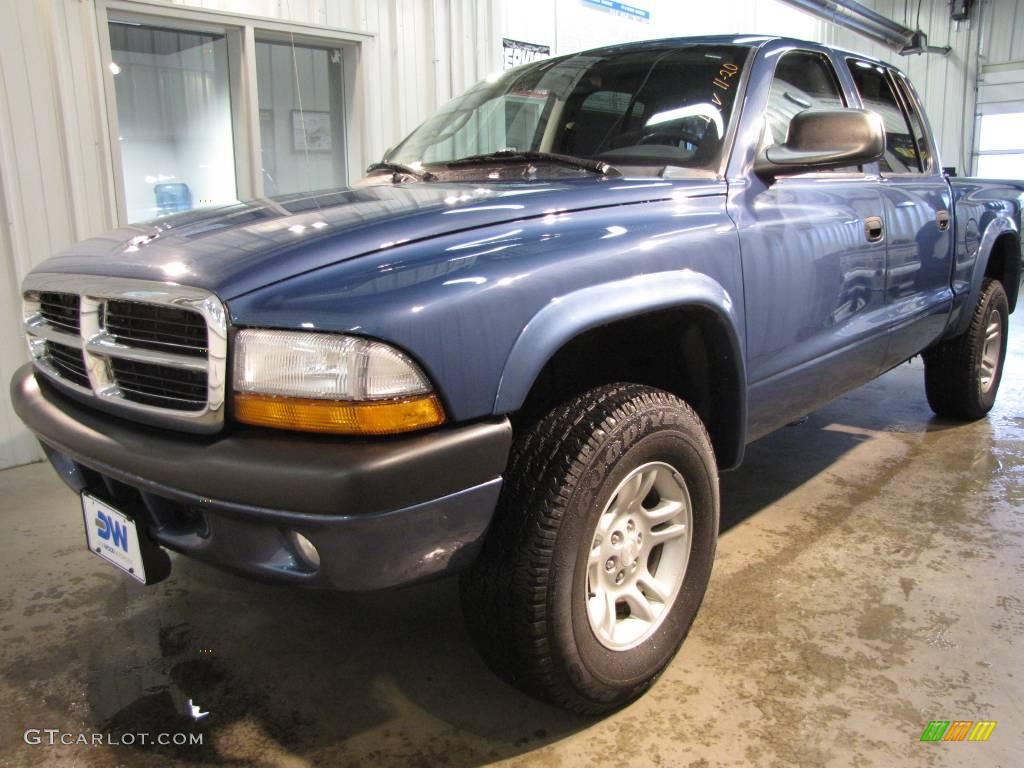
(1001, 80)
(1003, 32)
(49, 185)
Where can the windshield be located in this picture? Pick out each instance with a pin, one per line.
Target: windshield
(643, 108)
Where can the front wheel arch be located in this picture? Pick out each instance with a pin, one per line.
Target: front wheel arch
(683, 307)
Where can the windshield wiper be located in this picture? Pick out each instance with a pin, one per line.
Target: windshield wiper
(515, 156)
(400, 170)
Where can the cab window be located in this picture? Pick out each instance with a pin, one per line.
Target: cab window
(803, 80)
(877, 94)
(916, 120)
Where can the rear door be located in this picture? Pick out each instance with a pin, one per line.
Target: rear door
(813, 267)
(918, 220)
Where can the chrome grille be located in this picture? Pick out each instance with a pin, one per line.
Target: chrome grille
(154, 352)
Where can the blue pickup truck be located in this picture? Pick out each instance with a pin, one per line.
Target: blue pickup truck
(524, 345)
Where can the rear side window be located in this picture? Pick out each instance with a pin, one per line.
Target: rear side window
(876, 91)
(916, 121)
(803, 80)
(612, 102)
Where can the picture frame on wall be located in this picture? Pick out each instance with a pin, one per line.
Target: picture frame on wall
(311, 131)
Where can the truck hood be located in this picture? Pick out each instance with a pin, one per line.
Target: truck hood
(242, 247)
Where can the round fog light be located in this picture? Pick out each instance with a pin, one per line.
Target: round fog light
(306, 551)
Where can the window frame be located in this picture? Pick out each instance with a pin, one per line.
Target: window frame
(844, 173)
(911, 105)
(240, 32)
(900, 94)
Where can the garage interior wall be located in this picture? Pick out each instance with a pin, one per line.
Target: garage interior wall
(56, 172)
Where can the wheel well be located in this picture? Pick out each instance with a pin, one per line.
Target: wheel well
(687, 352)
(1004, 265)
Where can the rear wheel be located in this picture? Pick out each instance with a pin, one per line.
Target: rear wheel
(962, 375)
(601, 549)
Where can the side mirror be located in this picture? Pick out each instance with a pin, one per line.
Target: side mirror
(824, 138)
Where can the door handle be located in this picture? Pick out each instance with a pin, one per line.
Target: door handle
(942, 219)
(874, 230)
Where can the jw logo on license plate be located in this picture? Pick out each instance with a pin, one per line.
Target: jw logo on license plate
(109, 529)
(112, 535)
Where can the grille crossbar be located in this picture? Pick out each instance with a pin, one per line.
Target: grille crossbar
(69, 361)
(61, 310)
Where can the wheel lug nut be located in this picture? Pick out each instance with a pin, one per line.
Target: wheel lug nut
(639, 537)
(610, 565)
(630, 526)
(616, 537)
(620, 577)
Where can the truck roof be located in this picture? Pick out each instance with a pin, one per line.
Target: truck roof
(751, 40)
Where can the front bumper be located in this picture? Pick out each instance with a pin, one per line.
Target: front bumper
(380, 512)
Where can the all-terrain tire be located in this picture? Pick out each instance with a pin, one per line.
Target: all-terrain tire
(525, 599)
(962, 374)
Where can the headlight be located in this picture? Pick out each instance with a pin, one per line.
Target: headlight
(325, 382)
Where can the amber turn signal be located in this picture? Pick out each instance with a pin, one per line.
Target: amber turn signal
(379, 417)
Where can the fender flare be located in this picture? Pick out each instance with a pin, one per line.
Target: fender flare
(566, 317)
(996, 228)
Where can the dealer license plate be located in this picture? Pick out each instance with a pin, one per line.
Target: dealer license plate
(112, 535)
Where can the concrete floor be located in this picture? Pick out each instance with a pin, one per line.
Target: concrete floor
(868, 581)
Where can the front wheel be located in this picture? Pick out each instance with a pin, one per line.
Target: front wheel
(600, 551)
(962, 375)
